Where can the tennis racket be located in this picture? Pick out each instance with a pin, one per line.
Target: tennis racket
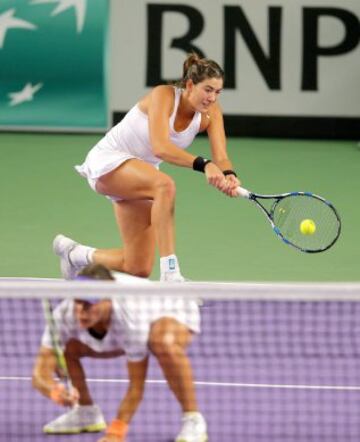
(287, 211)
(56, 344)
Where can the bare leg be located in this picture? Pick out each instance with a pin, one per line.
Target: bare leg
(168, 341)
(137, 180)
(111, 258)
(162, 218)
(145, 217)
(137, 255)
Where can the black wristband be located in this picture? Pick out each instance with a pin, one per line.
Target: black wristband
(229, 172)
(200, 163)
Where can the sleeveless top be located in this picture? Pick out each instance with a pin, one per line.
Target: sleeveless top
(131, 139)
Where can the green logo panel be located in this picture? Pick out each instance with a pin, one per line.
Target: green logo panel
(52, 64)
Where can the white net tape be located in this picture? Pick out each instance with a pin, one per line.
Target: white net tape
(23, 288)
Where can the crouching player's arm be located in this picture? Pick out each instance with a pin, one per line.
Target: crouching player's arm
(118, 428)
(44, 381)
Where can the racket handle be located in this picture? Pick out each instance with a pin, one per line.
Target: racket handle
(243, 192)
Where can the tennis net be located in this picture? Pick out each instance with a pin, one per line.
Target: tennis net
(273, 362)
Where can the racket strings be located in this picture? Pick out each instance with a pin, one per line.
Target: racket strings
(289, 212)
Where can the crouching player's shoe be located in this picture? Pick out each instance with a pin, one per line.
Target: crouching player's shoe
(193, 428)
(80, 419)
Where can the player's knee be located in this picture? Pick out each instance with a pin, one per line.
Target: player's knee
(139, 269)
(165, 186)
(163, 344)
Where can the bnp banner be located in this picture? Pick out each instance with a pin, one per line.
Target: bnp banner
(292, 67)
(52, 66)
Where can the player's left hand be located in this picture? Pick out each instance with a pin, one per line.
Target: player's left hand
(232, 184)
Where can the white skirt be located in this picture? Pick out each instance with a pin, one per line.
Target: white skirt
(101, 160)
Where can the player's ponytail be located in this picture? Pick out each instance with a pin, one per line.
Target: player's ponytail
(192, 60)
(198, 69)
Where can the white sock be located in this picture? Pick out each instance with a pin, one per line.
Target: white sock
(169, 264)
(81, 255)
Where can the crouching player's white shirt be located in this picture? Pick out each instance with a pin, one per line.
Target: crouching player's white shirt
(130, 323)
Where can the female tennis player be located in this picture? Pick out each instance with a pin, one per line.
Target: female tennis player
(109, 328)
(124, 166)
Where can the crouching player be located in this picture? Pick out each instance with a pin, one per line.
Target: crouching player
(108, 328)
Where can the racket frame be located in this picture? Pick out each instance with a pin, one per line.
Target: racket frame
(56, 343)
(253, 197)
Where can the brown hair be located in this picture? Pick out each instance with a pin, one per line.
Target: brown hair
(95, 271)
(199, 69)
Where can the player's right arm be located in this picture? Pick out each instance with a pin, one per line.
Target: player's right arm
(159, 108)
(43, 379)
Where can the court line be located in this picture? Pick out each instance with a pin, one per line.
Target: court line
(212, 384)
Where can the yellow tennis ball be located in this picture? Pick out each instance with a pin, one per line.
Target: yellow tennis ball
(307, 227)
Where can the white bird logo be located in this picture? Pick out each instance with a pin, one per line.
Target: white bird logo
(26, 94)
(63, 5)
(9, 21)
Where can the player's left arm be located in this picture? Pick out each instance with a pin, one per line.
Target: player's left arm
(118, 428)
(217, 139)
(43, 379)
(44, 370)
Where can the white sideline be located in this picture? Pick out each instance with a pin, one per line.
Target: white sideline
(212, 384)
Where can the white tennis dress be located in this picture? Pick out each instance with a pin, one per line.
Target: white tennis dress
(131, 139)
(130, 323)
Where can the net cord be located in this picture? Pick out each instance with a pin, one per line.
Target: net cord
(278, 291)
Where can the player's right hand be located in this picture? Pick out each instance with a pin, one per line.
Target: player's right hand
(233, 184)
(215, 177)
(62, 396)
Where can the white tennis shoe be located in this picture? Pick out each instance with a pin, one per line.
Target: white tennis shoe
(62, 247)
(193, 428)
(172, 277)
(80, 419)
